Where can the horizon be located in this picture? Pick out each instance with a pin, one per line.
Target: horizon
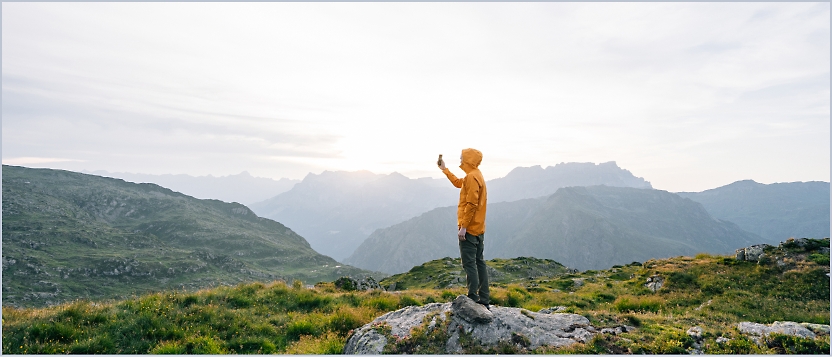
(688, 96)
(104, 173)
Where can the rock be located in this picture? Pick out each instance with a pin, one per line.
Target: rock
(552, 309)
(654, 283)
(695, 332)
(816, 328)
(518, 327)
(752, 253)
(349, 283)
(786, 328)
(722, 340)
(578, 282)
(471, 311)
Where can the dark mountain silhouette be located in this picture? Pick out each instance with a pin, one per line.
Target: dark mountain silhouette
(775, 211)
(580, 227)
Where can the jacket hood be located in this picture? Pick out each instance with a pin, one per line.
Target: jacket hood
(471, 158)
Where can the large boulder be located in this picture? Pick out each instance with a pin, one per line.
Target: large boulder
(782, 327)
(464, 322)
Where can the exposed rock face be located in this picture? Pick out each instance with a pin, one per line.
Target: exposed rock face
(465, 319)
(654, 283)
(470, 311)
(349, 283)
(752, 253)
(553, 309)
(783, 327)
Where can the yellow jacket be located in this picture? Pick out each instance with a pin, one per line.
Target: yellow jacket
(470, 212)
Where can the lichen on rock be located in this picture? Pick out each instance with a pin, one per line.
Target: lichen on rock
(467, 326)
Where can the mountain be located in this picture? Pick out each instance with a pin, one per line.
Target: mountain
(68, 235)
(242, 188)
(580, 227)
(337, 210)
(775, 211)
(531, 182)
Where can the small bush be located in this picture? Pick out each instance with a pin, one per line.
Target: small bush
(637, 304)
(819, 259)
(681, 280)
(169, 348)
(203, 346)
(785, 344)
(328, 344)
(342, 321)
(406, 300)
(301, 327)
(447, 295)
(382, 303)
(603, 297)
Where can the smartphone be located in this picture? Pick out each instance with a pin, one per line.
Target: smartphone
(439, 162)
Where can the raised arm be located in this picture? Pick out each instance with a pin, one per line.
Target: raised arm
(457, 182)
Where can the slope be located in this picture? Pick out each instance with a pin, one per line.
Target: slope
(581, 227)
(68, 235)
(775, 211)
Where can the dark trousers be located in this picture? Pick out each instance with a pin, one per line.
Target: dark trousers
(472, 261)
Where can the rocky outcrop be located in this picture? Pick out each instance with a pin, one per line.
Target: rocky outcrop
(757, 331)
(752, 254)
(349, 283)
(464, 324)
(654, 283)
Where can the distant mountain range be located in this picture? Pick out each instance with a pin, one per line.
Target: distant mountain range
(68, 235)
(775, 211)
(580, 227)
(534, 181)
(242, 188)
(337, 211)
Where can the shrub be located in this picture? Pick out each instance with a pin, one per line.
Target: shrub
(328, 344)
(603, 297)
(637, 304)
(406, 300)
(447, 295)
(819, 259)
(169, 348)
(681, 280)
(342, 321)
(297, 328)
(203, 346)
(785, 344)
(383, 303)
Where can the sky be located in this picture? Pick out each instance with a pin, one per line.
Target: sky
(689, 96)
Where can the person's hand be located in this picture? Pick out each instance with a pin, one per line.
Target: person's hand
(461, 233)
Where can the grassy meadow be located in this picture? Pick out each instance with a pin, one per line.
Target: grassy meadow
(713, 292)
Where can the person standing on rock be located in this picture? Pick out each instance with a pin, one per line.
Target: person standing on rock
(470, 215)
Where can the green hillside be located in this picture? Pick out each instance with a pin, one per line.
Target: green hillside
(713, 292)
(68, 235)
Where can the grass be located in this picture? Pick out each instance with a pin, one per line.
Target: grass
(713, 292)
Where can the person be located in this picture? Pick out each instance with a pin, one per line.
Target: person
(470, 215)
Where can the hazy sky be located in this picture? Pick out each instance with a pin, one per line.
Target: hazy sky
(690, 96)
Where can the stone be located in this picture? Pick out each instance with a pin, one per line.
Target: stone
(654, 283)
(695, 332)
(471, 311)
(349, 283)
(578, 282)
(526, 329)
(722, 340)
(816, 328)
(552, 309)
(752, 253)
(783, 327)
